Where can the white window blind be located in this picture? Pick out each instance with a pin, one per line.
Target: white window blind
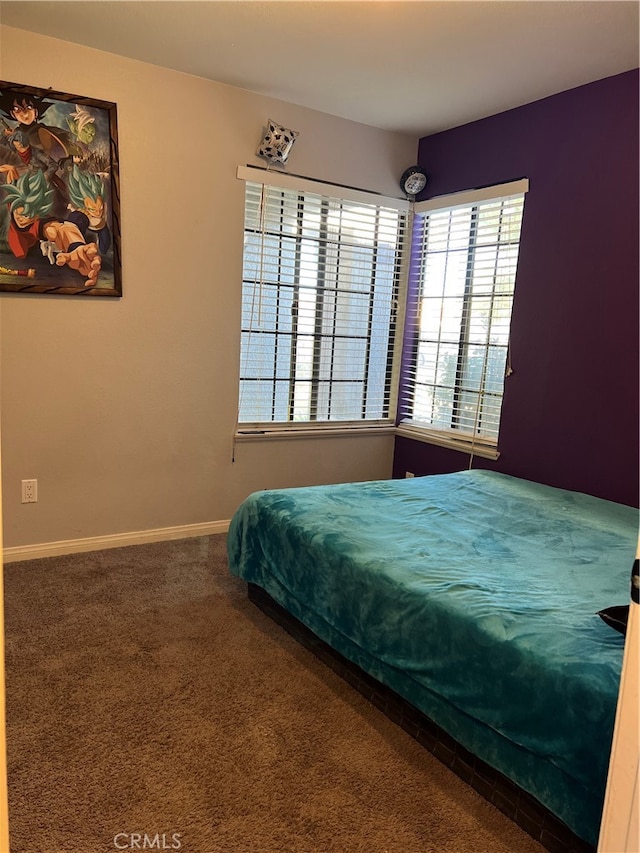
(321, 280)
(461, 288)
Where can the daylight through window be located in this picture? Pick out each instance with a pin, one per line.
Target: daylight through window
(463, 270)
(319, 301)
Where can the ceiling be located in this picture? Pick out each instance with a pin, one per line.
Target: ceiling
(417, 67)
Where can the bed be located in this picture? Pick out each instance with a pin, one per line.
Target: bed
(474, 597)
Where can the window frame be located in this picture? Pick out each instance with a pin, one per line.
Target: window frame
(407, 426)
(248, 431)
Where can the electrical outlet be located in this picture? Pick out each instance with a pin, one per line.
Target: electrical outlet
(29, 491)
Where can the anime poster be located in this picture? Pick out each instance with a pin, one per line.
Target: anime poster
(59, 194)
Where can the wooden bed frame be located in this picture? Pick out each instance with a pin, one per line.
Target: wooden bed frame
(505, 795)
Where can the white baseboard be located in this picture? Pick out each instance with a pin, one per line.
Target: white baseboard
(117, 540)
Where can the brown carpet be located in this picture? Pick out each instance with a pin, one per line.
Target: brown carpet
(147, 695)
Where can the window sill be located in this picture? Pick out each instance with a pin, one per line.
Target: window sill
(288, 433)
(486, 451)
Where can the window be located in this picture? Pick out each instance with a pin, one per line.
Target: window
(320, 292)
(461, 287)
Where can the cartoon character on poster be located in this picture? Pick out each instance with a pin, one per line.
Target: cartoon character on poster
(58, 193)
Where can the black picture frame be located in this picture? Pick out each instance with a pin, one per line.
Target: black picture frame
(59, 194)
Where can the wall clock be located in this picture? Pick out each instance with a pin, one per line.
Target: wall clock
(413, 180)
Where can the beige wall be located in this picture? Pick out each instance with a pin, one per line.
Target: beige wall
(124, 410)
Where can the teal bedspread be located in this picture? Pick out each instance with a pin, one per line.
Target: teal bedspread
(473, 595)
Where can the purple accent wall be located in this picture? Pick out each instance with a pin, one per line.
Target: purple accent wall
(570, 410)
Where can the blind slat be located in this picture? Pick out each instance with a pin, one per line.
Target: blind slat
(465, 252)
(320, 292)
